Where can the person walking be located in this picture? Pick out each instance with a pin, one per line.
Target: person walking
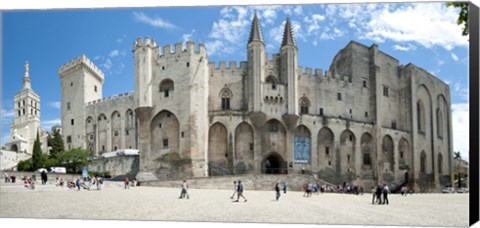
(184, 191)
(44, 177)
(374, 192)
(127, 186)
(77, 183)
(240, 192)
(7, 179)
(277, 190)
(385, 194)
(378, 194)
(234, 189)
(284, 187)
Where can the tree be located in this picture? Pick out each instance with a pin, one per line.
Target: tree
(462, 16)
(74, 160)
(457, 155)
(25, 165)
(56, 143)
(37, 154)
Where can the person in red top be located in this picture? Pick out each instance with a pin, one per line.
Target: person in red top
(127, 186)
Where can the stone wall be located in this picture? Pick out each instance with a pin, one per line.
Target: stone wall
(118, 167)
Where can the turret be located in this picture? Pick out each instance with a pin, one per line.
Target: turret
(256, 66)
(288, 67)
(143, 53)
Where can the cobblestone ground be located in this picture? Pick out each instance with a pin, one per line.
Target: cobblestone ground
(162, 204)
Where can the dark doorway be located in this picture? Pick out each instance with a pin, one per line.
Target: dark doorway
(14, 148)
(274, 164)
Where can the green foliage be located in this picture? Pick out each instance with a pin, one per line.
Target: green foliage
(56, 143)
(25, 165)
(37, 154)
(462, 16)
(74, 160)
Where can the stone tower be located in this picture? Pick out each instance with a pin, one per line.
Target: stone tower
(26, 125)
(256, 66)
(171, 92)
(81, 82)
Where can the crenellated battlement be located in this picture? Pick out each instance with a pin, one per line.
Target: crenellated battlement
(308, 72)
(169, 50)
(147, 43)
(81, 61)
(121, 96)
(231, 69)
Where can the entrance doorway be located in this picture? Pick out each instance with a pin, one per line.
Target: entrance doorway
(274, 164)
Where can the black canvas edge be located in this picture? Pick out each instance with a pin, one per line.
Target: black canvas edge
(473, 20)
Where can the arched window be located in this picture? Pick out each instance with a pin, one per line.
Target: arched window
(423, 158)
(273, 81)
(439, 123)
(420, 116)
(225, 95)
(304, 104)
(166, 86)
(440, 161)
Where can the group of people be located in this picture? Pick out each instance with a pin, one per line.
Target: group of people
(380, 194)
(8, 178)
(238, 190)
(277, 189)
(29, 183)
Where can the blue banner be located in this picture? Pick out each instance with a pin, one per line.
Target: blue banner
(302, 149)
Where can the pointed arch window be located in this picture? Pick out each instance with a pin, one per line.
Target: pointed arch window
(273, 81)
(420, 116)
(423, 161)
(439, 123)
(304, 104)
(226, 95)
(166, 86)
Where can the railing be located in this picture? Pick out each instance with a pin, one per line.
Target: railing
(216, 170)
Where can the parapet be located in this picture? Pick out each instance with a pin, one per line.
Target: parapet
(308, 72)
(111, 98)
(178, 49)
(147, 43)
(78, 62)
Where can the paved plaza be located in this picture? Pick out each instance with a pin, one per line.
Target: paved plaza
(162, 204)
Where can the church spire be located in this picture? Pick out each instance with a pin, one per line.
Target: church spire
(288, 38)
(255, 32)
(26, 77)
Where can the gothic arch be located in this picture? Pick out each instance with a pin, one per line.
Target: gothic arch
(102, 133)
(218, 145)
(326, 147)
(130, 129)
(302, 142)
(388, 148)
(164, 134)
(274, 137)
(272, 80)
(274, 163)
(244, 148)
(405, 155)
(166, 87)
(90, 133)
(420, 116)
(116, 130)
(423, 162)
(440, 163)
(225, 98)
(14, 147)
(346, 161)
(367, 146)
(304, 105)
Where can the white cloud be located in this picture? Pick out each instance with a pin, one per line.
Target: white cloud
(8, 113)
(460, 125)
(55, 104)
(121, 39)
(408, 47)
(116, 53)
(107, 64)
(188, 36)
(429, 24)
(155, 22)
(48, 124)
(454, 57)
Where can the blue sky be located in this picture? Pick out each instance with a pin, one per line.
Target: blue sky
(422, 33)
